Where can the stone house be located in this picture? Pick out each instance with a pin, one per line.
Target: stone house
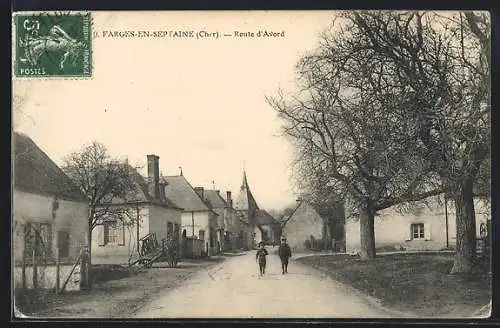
(267, 229)
(198, 220)
(49, 211)
(237, 231)
(302, 224)
(429, 226)
(219, 206)
(151, 211)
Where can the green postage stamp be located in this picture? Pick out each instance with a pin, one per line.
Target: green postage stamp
(53, 44)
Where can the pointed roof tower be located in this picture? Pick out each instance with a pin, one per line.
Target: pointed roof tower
(245, 199)
(245, 202)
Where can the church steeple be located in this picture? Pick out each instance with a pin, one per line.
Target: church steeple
(245, 200)
(244, 184)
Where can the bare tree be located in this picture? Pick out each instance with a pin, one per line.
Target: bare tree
(348, 123)
(444, 60)
(103, 180)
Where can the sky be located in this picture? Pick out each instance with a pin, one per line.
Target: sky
(196, 103)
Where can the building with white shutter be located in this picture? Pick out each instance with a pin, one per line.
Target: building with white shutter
(153, 210)
(429, 226)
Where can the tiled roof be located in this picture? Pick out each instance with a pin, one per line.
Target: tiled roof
(215, 199)
(285, 220)
(262, 217)
(180, 191)
(140, 192)
(35, 172)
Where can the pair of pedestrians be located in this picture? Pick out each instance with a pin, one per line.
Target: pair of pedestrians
(284, 253)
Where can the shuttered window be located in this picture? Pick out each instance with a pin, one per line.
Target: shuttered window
(111, 232)
(417, 231)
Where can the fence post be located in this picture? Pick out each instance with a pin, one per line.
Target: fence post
(58, 271)
(88, 265)
(23, 272)
(35, 271)
(84, 270)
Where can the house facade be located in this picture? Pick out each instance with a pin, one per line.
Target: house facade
(151, 211)
(267, 229)
(48, 209)
(246, 209)
(301, 225)
(237, 231)
(198, 220)
(429, 226)
(219, 206)
(49, 216)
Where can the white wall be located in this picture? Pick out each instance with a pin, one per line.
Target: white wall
(201, 222)
(258, 235)
(70, 216)
(119, 254)
(393, 229)
(304, 223)
(159, 218)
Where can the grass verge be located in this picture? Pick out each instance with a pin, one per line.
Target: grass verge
(416, 283)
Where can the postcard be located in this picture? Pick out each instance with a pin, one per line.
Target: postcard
(251, 164)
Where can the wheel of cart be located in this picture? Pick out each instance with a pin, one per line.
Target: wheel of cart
(483, 230)
(149, 251)
(484, 233)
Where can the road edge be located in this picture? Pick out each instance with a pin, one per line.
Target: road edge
(373, 301)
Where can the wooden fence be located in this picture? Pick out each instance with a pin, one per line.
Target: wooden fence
(37, 273)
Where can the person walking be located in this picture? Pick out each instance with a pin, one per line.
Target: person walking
(260, 257)
(284, 253)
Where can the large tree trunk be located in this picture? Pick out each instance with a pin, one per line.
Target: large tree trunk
(327, 236)
(367, 234)
(466, 228)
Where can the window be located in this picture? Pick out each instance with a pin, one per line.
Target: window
(114, 233)
(417, 231)
(38, 238)
(170, 228)
(201, 234)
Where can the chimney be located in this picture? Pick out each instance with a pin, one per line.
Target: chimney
(199, 191)
(154, 175)
(229, 200)
(161, 187)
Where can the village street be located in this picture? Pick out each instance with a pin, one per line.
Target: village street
(235, 289)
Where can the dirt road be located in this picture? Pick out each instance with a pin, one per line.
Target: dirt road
(235, 289)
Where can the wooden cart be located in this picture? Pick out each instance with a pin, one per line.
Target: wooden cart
(150, 251)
